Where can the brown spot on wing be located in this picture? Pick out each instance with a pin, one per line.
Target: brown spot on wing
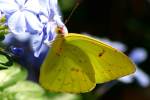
(75, 69)
(101, 53)
(58, 54)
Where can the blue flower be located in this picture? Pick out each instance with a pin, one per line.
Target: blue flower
(32, 20)
(22, 17)
(138, 55)
(50, 17)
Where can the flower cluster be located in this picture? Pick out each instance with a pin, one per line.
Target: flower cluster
(31, 20)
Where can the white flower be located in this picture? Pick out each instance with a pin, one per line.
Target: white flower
(22, 17)
(51, 19)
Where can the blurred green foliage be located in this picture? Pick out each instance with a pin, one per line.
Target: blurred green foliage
(66, 5)
(14, 86)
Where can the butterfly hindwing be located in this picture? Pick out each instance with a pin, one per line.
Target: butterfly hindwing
(67, 70)
(108, 63)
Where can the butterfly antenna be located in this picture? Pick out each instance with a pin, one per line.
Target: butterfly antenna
(73, 10)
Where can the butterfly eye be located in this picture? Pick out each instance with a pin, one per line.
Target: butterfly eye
(59, 30)
(8, 62)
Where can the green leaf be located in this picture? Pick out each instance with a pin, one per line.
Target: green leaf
(12, 75)
(24, 90)
(3, 19)
(5, 59)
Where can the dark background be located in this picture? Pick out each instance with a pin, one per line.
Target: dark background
(127, 21)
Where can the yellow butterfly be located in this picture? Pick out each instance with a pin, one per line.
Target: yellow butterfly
(76, 63)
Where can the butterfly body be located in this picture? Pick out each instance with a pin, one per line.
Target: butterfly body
(76, 63)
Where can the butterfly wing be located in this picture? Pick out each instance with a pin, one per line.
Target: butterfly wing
(65, 70)
(108, 62)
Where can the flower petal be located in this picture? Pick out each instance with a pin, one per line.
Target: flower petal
(43, 19)
(20, 2)
(36, 41)
(17, 26)
(16, 22)
(44, 3)
(33, 22)
(33, 6)
(53, 4)
(37, 44)
(49, 6)
(8, 6)
(22, 37)
(142, 78)
(43, 49)
(138, 55)
(50, 33)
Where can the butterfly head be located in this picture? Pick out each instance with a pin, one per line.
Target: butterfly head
(61, 30)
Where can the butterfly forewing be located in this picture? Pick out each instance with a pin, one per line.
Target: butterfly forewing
(108, 63)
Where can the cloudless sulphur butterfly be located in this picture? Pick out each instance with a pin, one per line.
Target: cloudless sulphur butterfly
(76, 63)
